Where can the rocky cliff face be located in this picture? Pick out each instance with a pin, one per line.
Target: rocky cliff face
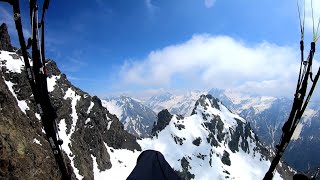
(86, 127)
(24, 151)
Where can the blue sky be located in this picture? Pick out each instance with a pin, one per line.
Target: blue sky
(108, 47)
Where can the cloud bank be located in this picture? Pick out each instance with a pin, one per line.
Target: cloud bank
(207, 61)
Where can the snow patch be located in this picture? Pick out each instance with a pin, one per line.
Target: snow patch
(87, 121)
(123, 161)
(21, 103)
(65, 146)
(36, 141)
(297, 131)
(109, 125)
(13, 65)
(51, 82)
(70, 94)
(307, 117)
(90, 107)
(38, 116)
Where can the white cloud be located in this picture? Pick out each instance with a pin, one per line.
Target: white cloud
(209, 3)
(207, 61)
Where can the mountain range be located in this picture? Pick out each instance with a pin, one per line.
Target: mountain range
(266, 115)
(182, 104)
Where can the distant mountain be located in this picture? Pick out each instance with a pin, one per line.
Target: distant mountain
(306, 144)
(267, 116)
(239, 101)
(136, 117)
(177, 104)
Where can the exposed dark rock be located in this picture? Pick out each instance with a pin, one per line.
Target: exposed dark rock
(180, 117)
(5, 42)
(227, 172)
(4, 160)
(210, 157)
(201, 156)
(226, 158)
(242, 132)
(164, 118)
(177, 139)
(185, 174)
(215, 127)
(179, 126)
(197, 141)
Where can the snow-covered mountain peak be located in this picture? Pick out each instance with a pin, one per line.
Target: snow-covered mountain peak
(208, 101)
(207, 105)
(212, 139)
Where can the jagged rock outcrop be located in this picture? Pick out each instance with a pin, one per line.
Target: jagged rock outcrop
(86, 127)
(5, 42)
(164, 117)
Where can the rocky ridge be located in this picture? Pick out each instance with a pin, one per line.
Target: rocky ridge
(87, 128)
